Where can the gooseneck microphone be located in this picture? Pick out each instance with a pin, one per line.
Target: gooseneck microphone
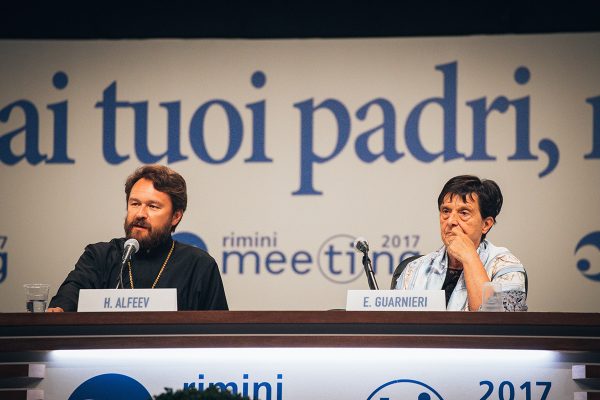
(361, 245)
(130, 247)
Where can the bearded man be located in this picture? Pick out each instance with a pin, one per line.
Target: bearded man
(156, 200)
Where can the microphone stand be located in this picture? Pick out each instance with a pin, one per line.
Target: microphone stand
(120, 281)
(369, 271)
(126, 257)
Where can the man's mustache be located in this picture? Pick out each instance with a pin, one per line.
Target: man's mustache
(140, 223)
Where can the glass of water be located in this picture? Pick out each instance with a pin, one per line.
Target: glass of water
(37, 296)
(491, 300)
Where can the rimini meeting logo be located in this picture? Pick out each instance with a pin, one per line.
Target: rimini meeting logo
(333, 257)
(405, 389)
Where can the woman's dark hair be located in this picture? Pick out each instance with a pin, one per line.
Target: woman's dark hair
(488, 194)
(164, 180)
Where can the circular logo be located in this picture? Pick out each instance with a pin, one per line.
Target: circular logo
(583, 265)
(191, 239)
(110, 387)
(338, 261)
(405, 389)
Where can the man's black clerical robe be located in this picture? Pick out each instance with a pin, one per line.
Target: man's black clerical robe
(192, 271)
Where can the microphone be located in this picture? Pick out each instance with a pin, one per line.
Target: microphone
(361, 245)
(130, 247)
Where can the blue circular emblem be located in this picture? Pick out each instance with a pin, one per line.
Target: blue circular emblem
(583, 265)
(191, 239)
(405, 389)
(110, 387)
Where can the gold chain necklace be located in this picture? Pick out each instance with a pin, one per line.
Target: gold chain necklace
(159, 272)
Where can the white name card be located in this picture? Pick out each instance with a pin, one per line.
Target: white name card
(118, 300)
(396, 300)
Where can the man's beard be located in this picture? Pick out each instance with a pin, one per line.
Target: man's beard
(154, 238)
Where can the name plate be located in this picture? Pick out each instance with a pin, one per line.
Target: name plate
(396, 300)
(118, 300)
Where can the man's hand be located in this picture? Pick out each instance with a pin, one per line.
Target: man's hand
(55, 309)
(460, 246)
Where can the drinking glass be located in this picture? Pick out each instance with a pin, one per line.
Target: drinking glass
(37, 296)
(491, 299)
